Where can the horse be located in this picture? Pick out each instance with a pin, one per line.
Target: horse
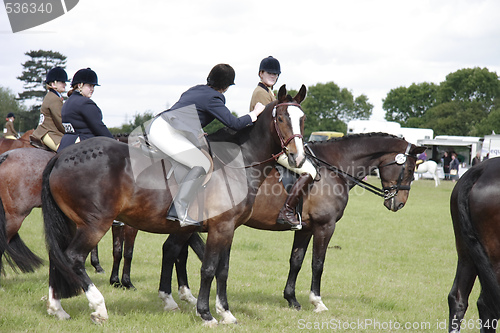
(21, 171)
(431, 167)
(323, 206)
(21, 174)
(22, 142)
(475, 214)
(89, 185)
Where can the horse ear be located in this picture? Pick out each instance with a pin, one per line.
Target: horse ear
(282, 93)
(301, 95)
(417, 150)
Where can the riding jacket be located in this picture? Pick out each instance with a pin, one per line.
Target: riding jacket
(82, 119)
(261, 94)
(50, 117)
(210, 104)
(9, 131)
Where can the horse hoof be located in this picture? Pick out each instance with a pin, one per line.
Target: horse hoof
(228, 318)
(168, 302)
(186, 295)
(99, 270)
(210, 323)
(97, 318)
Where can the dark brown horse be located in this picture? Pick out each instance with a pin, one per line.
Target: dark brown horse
(356, 155)
(88, 186)
(22, 142)
(475, 211)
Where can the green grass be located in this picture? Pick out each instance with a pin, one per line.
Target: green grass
(381, 266)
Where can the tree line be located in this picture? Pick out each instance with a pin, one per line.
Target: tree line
(466, 103)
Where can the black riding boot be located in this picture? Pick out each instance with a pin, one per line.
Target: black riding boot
(287, 212)
(189, 187)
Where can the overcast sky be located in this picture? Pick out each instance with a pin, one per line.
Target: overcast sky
(146, 53)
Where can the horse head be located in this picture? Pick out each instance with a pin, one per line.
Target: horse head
(288, 120)
(396, 174)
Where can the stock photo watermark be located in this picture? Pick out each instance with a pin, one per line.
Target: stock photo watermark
(24, 15)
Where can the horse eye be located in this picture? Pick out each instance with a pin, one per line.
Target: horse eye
(280, 119)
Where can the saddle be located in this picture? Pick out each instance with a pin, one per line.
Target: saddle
(37, 143)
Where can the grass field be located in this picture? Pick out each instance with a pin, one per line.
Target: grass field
(384, 272)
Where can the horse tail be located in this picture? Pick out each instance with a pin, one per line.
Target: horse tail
(16, 253)
(197, 244)
(58, 235)
(487, 277)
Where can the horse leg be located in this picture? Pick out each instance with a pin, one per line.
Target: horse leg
(301, 240)
(94, 261)
(118, 236)
(489, 322)
(458, 298)
(171, 249)
(182, 278)
(130, 234)
(216, 263)
(322, 236)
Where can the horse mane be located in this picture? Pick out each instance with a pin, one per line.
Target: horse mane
(357, 135)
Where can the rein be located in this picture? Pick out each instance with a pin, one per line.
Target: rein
(284, 143)
(385, 192)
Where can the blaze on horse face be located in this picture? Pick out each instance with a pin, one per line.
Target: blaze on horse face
(289, 121)
(401, 172)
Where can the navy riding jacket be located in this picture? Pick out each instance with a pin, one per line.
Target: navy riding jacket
(81, 118)
(210, 104)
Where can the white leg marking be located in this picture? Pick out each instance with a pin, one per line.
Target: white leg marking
(54, 307)
(186, 295)
(227, 316)
(319, 306)
(96, 302)
(168, 301)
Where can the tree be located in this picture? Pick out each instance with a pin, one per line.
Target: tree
(471, 85)
(329, 108)
(402, 104)
(34, 72)
(8, 103)
(139, 119)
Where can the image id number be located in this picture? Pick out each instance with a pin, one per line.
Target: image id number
(25, 8)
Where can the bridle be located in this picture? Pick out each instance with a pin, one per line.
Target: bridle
(387, 192)
(284, 143)
(401, 159)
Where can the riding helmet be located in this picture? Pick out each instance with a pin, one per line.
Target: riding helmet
(221, 77)
(57, 74)
(85, 75)
(10, 114)
(270, 65)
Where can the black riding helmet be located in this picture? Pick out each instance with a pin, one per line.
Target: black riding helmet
(57, 74)
(221, 77)
(85, 75)
(270, 65)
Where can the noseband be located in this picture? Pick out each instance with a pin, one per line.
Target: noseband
(284, 143)
(401, 159)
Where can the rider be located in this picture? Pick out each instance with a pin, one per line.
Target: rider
(50, 129)
(9, 131)
(81, 117)
(177, 132)
(269, 71)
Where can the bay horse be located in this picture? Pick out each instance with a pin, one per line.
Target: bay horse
(355, 155)
(475, 211)
(22, 142)
(89, 185)
(431, 167)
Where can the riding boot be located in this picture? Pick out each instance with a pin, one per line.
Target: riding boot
(287, 212)
(187, 191)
